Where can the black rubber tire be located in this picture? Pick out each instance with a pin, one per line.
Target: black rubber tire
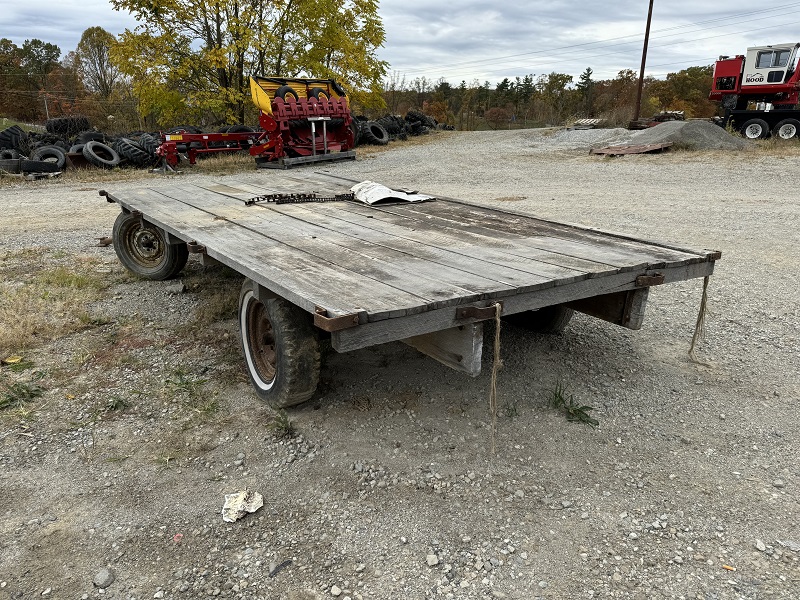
(286, 90)
(37, 166)
(8, 153)
(142, 248)
(786, 129)
(281, 348)
(67, 126)
(12, 137)
(240, 129)
(150, 143)
(133, 152)
(755, 129)
(415, 116)
(374, 133)
(76, 148)
(319, 93)
(550, 319)
(354, 127)
(52, 154)
(10, 165)
(185, 129)
(100, 155)
(89, 136)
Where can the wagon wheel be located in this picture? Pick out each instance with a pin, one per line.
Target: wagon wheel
(550, 319)
(143, 249)
(280, 348)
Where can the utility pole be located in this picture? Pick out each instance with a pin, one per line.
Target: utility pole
(638, 109)
(46, 110)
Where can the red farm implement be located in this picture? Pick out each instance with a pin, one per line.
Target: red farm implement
(301, 121)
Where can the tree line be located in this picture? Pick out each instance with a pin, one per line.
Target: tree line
(552, 99)
(189, 62)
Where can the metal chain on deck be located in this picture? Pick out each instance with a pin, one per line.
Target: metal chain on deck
(298, 198)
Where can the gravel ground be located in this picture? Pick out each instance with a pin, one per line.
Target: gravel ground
(687, 489)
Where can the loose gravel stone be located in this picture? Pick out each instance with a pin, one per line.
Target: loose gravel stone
(104, 578)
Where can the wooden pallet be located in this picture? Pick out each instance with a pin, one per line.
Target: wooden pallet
(630, 149)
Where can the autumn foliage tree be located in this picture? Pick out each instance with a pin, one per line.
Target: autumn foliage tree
(192, 58)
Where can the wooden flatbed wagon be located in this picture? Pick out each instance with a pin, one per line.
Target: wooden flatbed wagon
(425, 273)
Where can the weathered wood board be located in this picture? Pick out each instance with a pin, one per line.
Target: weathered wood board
(401, 268)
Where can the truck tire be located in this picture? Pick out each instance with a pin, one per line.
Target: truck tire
(286, 92)
(133, 152)
(10, 165)
(52, 154)
(755, 129)
(319, 93)
(280, 347)
(142, 248)
(37, 166)
(150, 143)
(100, 155)
(550, 319)
(374, 133)
(786, 129)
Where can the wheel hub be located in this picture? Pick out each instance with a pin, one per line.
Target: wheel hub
(145, 246)
(262, 341)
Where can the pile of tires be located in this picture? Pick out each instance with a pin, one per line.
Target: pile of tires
(395, 127)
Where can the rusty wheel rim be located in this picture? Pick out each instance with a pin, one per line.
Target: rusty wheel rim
(261, 341)
(145, 247)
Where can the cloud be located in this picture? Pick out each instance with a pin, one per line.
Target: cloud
(475, 39)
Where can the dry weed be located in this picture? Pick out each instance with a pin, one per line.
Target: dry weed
(38, 305)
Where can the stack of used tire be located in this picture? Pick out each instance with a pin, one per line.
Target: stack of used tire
(394, 127)
(48, 152)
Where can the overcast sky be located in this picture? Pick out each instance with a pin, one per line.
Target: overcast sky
(487, 41)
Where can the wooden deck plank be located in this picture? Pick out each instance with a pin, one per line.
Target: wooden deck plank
(621, 256)
(516, 253)
(294, 275)
(514, 250)
(437, 284)
(494, 223)
(475, 246)
(504, 217)
(464, 267)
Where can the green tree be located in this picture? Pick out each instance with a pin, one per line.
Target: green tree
(194, 56)
(585, 87)
(99, 74)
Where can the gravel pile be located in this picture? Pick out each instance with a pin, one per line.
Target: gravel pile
(695, 135)
(113, 481)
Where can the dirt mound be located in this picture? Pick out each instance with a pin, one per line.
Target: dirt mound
(697, 135)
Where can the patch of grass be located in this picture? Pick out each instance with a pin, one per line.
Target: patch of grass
(574, 411)
(183, 382)
(17, 364)
(38, 306)
(217, 288)
(281, 426)
(116, 403)
(61, 277)
(225, 163)
(16, 395)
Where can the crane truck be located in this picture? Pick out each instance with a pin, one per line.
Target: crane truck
(759, 91)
